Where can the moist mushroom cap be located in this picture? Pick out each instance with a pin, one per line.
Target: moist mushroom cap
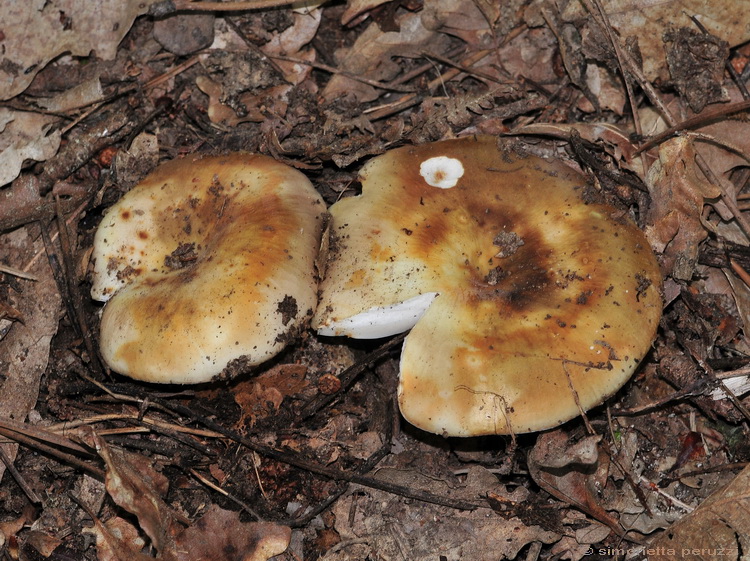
(540, 297)
(206, 261)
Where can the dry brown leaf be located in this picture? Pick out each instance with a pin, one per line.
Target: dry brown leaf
(615, 138)
(218, 533)
(371, 54)
(740, 293)
(218, 113)
(261, 395)
(718, 529)
(390, 528)
(470, 20)
(271, 102)
(217, 536)
(292, 40)
(674, 226)
(256, 105)
(635, 514)
(9, 312)
(357, 7)
(630, 18)
(117, 540)
(568, 471)
(724, 145)
(37, 31)
(25, 136)
(291, 43)
(85, 93)
(132, 490)
(9, 530)
(606, 87)
(43, 542)
(731, 147)
(531, 55)
(133, 163)
(24, 352)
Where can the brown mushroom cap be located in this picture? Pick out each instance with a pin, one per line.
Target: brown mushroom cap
(521, 295)
(207, 261)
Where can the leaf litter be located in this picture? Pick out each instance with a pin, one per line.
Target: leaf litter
(304, 458)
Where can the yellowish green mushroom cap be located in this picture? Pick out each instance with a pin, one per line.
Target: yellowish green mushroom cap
(519, 295)
(209, 263)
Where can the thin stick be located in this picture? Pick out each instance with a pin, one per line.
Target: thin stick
(413, 98)
(28, 491)
(228, 495)
(61, 456)
(739, 271)
(327, 471)
(696, 122)
(68, 425)
(17, 273)
(461, 67)
(148, 85)
(671, 498)
(181, 5)
(350, 75)
(628, 85)
(10, 426)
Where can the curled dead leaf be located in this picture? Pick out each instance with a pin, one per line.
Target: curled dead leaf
(718, 529)
(25, 136)
(617, 140)
(370, 56)
(262, 395)
(356, 8)
(630, 20)
(568, 471)
(674, 226)
(218, 535)
(37, 31)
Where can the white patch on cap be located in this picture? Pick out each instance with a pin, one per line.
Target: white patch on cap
(441, 171)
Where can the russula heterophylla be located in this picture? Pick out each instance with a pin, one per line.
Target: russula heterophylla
(206, 261)
(521, 297)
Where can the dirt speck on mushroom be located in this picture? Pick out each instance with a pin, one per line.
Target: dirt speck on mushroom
(288, 309)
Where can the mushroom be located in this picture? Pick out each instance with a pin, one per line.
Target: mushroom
(527, 304)
(209, 264)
